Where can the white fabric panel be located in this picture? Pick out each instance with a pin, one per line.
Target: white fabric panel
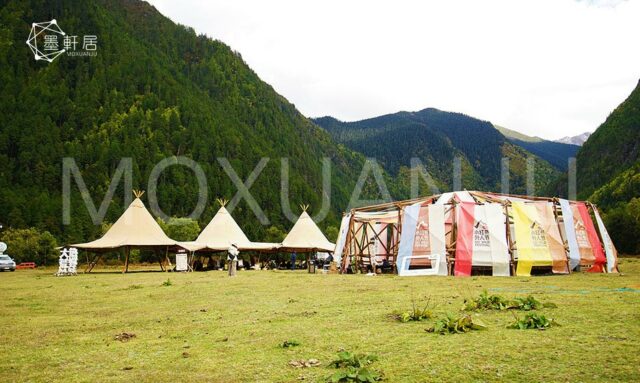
(499, 249)
(437, 236)
(409, 223)
(608, 244)
(490, 239)
(570, 234)
(462, 196)
(342, 238)
(444, 198)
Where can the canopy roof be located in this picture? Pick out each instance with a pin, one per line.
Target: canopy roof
(135, 227)
(305, 236)
(223, 231)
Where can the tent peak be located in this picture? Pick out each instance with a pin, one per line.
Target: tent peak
(138, 193)
(304, 207)
(222, 201)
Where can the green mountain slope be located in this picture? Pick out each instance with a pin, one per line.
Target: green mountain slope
(155, 89)
(608, 167)
(556, 153)
(512, 134)
(612, 149)
(436, 138)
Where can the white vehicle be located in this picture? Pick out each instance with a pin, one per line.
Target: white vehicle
(6, 263)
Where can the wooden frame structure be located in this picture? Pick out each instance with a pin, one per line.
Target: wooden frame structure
(362, 233)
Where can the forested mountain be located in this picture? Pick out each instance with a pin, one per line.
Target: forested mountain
(608, 167)
(436, 138)
(556, 153)
(155, 89)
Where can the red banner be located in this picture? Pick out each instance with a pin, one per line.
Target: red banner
(464, 240)
(594, 240)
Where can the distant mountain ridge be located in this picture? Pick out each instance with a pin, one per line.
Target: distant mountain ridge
(556, 153)
(575, 140)
(437, 137)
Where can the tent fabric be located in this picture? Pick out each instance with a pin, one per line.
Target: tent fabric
(570, 234)
(305, 236)
(222, 232)
(380, 242)
(464, 241)
(555, 243)
(490, 239)
(423, 234)
(342, 239)
(459, 196)
(135, 227)
(382, 216)
(538, 238)
(609, 249)
(592, 237)
(482, 239)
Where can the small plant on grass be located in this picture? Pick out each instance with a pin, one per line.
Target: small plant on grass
(354, 368)
(532, 321)
(134, 287)
(456, 325)
(167, 282)
(352, 374)
(486, 302)
(496, 302)
(416, 314)
(530, 303)
(289, 343)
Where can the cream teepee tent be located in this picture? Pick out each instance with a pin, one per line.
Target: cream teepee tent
(135, 228)
(305, 236)
(223, 231)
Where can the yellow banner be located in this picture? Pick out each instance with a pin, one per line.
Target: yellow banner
(531, 238)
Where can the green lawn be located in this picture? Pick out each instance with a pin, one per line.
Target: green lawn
(208, 327)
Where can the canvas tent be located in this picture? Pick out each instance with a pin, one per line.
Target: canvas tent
(463, 232)
(306, 237)
(223, 231)
(135, 229)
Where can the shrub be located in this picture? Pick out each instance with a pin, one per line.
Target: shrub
(530, 303)
(532, 321)
(486, 302)
(416, 314)
(354, 368)
(352, 374)
(456, 325)
(496, 302)
(289, 343)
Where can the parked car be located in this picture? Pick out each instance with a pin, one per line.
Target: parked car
(6, 263)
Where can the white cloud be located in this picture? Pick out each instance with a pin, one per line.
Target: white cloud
(544, 67)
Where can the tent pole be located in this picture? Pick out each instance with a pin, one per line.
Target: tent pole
(126, 259)
(157, 253)
(454, 239)
(166, 257)
(91, 265)
(510, 242)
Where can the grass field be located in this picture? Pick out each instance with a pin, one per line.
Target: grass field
(208, 327)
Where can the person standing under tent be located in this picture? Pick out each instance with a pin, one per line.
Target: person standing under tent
(233, 259)
(293, 260)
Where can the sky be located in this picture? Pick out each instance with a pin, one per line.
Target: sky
(549, 68)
